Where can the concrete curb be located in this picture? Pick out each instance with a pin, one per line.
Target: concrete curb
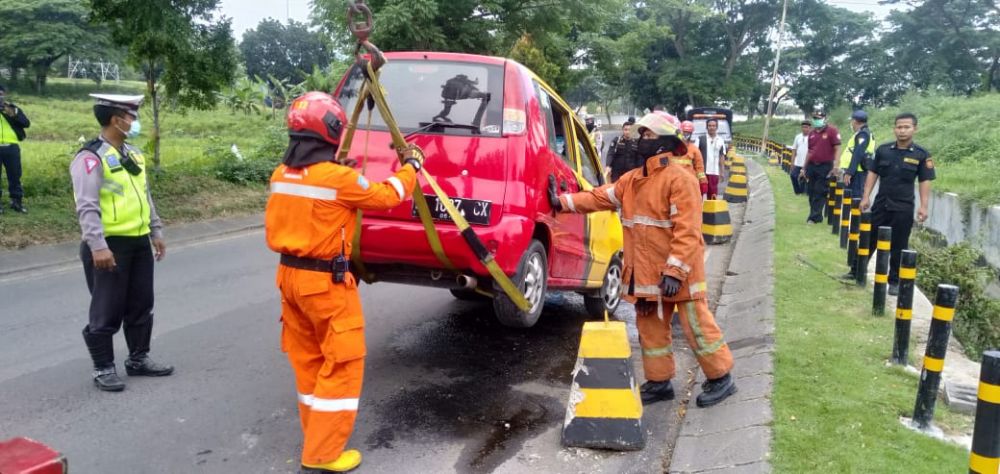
(735, 436)
(32, 259)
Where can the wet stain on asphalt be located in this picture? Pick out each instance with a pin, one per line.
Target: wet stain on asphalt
(465, 378)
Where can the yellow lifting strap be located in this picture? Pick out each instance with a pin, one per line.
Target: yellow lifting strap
(372, 90)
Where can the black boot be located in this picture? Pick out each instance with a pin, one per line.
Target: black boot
(138, 336)
(17, 206)
(652, 392)
(146, 366)
(107, 379)
(715, 391)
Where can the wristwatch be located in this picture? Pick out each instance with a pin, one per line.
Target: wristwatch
(415, 163)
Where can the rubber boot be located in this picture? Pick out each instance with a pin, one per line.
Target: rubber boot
(652, 392)
(348, 461)
(716, 390)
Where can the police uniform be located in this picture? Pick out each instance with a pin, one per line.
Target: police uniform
(894, 205)
(116, 212)
(11, 133)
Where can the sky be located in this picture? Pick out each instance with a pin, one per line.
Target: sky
(246, 14)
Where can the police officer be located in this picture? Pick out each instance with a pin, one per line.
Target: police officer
(895, 167)
(119, 222)
(12, 125)
(854, 160)
(854, 157)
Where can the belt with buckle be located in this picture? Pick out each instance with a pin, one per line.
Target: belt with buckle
(304, 263)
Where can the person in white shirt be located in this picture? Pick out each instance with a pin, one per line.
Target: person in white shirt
(801, 146)
(713, 148)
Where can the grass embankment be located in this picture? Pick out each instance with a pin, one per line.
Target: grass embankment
(837, 405)
(193, 183)
(958, 131)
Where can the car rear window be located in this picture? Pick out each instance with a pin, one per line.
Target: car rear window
(423, 92)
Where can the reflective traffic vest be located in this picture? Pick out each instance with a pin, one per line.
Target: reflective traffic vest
(845, 156)
(124, 203)
(7, 134)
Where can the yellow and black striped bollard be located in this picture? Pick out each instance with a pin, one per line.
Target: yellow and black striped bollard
(881, 270)
(736, 188)
(864, 249)
(904, 307)
(831, 199)
(985, 455)
(845, 218)
(838, 195)
(716, 226)
(604, 410)
(937, 347)
(855, 231)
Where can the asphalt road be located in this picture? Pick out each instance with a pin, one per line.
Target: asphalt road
(447, 389)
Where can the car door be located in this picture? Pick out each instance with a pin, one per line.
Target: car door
(602, 236)
(568, 255)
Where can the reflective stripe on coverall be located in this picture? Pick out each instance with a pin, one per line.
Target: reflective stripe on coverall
(312, 213)
(661, 212)
(692, 162)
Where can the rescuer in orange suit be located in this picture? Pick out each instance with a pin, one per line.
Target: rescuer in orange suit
(693, 161)
(664, 260)
(310, 221)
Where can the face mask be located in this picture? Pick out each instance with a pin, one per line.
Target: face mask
(647, 148)
(590, 127)
(818, 123)
(133, 131)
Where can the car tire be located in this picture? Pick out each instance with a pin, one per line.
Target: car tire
(467, 295)
(609, 296)
(532, 278)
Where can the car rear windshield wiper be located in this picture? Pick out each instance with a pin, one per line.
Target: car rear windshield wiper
(429, 125)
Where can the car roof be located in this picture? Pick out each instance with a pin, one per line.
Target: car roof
(433, 55)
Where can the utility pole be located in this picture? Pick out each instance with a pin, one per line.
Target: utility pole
(774, 77)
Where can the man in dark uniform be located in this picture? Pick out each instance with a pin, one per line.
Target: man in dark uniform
(12, 125)
(119, 222)
(622, 156)
(895, 166)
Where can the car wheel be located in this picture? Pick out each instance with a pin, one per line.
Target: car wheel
(532, 278)
(468, 295)
(610, 294)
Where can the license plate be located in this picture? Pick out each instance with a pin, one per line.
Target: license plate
(474, 210)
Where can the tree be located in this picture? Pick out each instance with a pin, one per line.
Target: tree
(38, 33)
(283, 51)
(176, 43)
(952, 44)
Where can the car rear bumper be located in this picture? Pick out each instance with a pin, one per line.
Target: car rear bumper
(404, 243)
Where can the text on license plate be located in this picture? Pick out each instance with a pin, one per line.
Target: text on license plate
(474, 210)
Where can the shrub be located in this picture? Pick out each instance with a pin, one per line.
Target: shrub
(248, 168)
(977, 316)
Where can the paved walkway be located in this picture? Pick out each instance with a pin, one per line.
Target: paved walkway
(735, 436)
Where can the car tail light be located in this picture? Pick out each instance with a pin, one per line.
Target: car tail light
(514, 121)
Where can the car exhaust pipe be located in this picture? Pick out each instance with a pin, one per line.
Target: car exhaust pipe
(467, 282)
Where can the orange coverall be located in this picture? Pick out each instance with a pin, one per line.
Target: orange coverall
(661, 212)
(692, 162)
(312, 213)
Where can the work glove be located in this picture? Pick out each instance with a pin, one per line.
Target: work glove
(413, 156)
(670, 285)
(704, 187)
(553, 195)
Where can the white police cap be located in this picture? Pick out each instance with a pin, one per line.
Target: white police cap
(128, 103)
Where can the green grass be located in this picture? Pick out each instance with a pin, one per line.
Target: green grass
(958, 131)
(186, 189)
(836, 403)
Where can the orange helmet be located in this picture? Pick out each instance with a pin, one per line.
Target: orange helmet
(317, 115)
(687, 126)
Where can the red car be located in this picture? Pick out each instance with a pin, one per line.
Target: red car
(493, 133)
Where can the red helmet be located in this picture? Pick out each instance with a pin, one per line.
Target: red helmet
(317, 115)
(687, 126)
